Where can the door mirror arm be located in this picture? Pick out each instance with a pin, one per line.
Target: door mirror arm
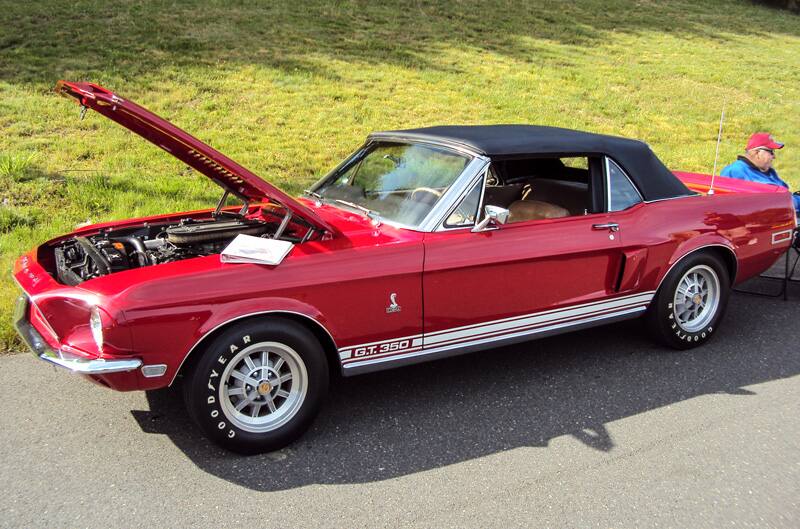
(494, 217)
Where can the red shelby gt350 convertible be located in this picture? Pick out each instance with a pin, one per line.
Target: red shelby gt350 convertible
(424, 243)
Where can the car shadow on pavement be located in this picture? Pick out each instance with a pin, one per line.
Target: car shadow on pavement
(389, 424)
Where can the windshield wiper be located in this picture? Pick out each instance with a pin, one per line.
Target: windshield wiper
(372, 215)
(312, 194)
(318, 199)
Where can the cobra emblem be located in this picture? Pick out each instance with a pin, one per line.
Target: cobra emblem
(393, 306)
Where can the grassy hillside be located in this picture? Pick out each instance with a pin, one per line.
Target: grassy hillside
(288, 88)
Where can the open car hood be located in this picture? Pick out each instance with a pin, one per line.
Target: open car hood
(193, 152)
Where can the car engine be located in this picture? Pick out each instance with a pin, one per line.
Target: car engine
(81, 258)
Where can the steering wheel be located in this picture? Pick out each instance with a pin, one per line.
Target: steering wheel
(425, 195)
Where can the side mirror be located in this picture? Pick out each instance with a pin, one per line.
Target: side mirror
(494, 216)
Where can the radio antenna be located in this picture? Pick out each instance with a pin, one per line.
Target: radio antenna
(716, 156)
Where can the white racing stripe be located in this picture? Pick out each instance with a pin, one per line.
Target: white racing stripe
(499, 334)
(350, 359)
(509, 324)
(594, 304)
(415, 341)
(506, 328)
(403, 355)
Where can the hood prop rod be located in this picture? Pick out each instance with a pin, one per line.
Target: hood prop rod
(283, 225)
(218, 210)
(220, 204)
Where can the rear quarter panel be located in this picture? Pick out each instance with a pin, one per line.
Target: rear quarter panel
(744, 223)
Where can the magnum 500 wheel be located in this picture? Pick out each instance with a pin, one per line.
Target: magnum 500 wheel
(258, 385)
(691, 301)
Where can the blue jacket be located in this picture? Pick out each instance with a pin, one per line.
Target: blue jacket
(744, 169)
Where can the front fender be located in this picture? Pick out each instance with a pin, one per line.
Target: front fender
(251, 308)
(239, 309)
(168, 336)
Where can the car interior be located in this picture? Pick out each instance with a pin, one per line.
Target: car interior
(544, 188)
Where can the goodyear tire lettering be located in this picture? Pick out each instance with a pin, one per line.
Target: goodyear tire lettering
(206, 393)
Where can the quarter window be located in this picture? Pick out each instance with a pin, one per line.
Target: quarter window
(621, 192)
(466, 211)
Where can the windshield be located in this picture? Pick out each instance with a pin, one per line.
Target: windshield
(398, 182)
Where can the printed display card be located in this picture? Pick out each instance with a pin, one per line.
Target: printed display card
(249, 249)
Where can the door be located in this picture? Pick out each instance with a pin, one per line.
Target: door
(517, 279)
(527, 277)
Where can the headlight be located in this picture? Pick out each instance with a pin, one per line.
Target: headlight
(96, 324)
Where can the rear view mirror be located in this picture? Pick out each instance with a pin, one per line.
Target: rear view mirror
(493, 217)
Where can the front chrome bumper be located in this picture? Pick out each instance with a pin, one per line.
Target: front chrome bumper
(40, 348)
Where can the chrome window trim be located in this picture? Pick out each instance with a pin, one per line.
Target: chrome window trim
(461, 148)
(609, 160)
(339, 166)
(480, 178)
(673, 198)
(433, 218)
(450, 198)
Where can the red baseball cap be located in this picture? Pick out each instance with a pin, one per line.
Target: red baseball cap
(763, 139)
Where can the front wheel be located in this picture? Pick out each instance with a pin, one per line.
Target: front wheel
(258, 385)
(691, 301)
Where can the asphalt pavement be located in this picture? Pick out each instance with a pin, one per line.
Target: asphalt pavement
(600, 428)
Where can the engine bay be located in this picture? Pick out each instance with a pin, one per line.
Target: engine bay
(81, 258)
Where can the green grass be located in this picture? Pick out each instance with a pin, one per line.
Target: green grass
(287, 89)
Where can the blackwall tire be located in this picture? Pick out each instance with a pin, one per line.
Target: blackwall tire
(257, 386)
(691, 302)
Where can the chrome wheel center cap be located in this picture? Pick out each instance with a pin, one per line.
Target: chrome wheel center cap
(696, 299)
(264, 388)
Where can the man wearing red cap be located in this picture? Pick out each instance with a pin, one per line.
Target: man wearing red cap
(756, 164)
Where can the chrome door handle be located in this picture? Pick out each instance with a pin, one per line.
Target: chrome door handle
(613, 226)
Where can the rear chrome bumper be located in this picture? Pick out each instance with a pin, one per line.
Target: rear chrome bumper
(40, 348)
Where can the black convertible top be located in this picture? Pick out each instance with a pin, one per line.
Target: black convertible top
(511, 141)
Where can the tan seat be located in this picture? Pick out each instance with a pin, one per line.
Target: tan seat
(522, 210)
(572, 195)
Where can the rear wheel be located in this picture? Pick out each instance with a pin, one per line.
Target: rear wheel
(691, 301)
(258, 385)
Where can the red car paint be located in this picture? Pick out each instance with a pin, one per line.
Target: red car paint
(183, 146)
(377, 292)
